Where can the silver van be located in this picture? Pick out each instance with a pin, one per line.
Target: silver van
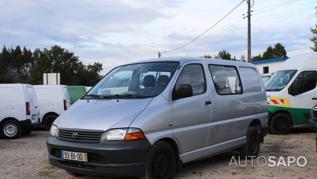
(147, 118)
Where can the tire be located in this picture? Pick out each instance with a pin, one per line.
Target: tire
(48, 120)
(74, 174)
(252, 147)
(280, 124)
(11, 129)
(161, 162)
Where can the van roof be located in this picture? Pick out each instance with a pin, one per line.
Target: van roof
(14, 85)
(49, 86)
(183, 60)
(308, 60)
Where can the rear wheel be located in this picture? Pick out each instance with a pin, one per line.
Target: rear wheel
(161, 162)
(280, 124)
(48, 120)
(252, 147)
(11, 129)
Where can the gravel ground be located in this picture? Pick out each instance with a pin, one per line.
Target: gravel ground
(27, 158)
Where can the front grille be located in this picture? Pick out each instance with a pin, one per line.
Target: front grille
(80, 135)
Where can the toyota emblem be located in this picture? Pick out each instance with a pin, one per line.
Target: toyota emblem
(74, 135)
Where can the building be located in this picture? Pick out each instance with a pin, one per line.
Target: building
(269, 66)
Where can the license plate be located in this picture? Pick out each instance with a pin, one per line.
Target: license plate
(75, 156)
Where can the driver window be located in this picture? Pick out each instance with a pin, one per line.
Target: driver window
(304, 82)
(194, 76)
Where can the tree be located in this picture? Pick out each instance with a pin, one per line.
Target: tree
(21, 65)
(258, 57)
(314, 39)
(224, 55)
(279, 51)
(60, 60)
(268, 53)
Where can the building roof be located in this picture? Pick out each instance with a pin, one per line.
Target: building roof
(272, 60)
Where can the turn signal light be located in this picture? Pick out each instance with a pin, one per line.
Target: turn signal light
(134, 136)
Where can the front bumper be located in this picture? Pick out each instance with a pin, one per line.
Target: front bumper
(116, 158)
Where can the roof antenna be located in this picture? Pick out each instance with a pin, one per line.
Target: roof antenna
(159, 54)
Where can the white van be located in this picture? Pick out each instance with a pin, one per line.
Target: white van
(18, 109)
(292, 92)
(53, 101)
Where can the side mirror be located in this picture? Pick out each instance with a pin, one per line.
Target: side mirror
(182, 91)
(291, 91)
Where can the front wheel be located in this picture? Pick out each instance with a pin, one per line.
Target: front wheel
(161, 162)
(252, 147)
(11, 129)
(280, 124)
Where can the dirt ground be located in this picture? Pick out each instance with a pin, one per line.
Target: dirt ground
(27, 158)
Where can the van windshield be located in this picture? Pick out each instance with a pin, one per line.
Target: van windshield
(279, 80)
(141, 80)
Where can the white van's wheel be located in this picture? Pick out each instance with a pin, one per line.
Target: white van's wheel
(11, 129)
(161, 162)
(48, 120)
(280, 123)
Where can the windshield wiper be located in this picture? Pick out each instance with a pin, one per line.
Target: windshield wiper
(272, 89)
(128, 96)
(94, 96)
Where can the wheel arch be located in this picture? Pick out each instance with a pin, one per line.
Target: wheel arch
(172, 142)
(279, 112)
(48, 113)
(255, 122)
(8, 118)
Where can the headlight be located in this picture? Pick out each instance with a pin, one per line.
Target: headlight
(268, 99)
(126, 134)
(54, 131)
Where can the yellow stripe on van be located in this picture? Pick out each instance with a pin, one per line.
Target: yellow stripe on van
(279, 101)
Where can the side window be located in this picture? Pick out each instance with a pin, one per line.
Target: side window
(193, 75)
(226, 79)
(304, 82)
(250, 79)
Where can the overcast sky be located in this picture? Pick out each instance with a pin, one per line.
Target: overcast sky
(118, 31)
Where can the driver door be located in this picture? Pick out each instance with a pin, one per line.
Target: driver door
(191, 114)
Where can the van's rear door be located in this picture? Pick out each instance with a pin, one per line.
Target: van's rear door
(33, 104)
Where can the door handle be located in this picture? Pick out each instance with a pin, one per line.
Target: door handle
(208, 103)
(314, 98)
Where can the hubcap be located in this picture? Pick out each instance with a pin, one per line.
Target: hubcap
(281, 124)
(10, 130)
(161, 166)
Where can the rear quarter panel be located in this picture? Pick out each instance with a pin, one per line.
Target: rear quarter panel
(12, 104)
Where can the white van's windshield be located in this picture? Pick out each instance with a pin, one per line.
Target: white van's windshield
(279, 80)
(141, 80)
